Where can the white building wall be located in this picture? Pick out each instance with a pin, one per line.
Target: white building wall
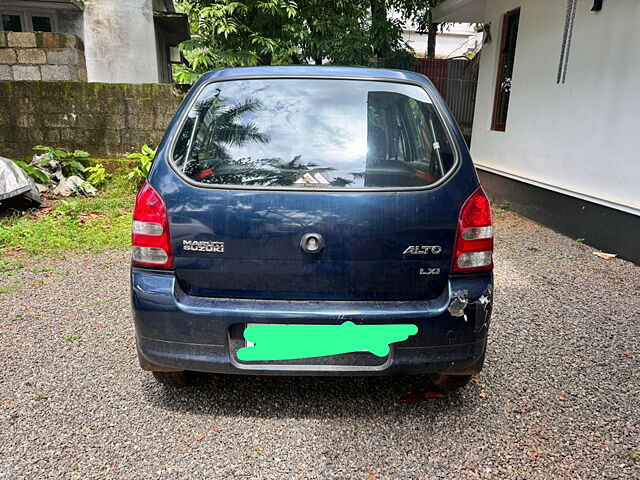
(120, 41)
(455, 41)
(580, 137)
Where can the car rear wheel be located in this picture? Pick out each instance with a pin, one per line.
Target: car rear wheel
(173, 379)
(449, 382)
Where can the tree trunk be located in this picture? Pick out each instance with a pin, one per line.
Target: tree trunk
(318, 60)
(432, 33)
(378, 15)
(265, 58)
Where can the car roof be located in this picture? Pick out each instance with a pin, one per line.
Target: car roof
(316, 71)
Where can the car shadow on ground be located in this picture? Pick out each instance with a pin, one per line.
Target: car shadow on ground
(306, 397)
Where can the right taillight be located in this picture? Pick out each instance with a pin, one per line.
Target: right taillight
(474, 236)
(150, 239)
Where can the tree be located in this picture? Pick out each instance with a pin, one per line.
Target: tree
(230, 33)
(335, 31)
(420, 13)
(391, 50)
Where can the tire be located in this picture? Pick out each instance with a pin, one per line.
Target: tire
(173, 379)
(449, 382)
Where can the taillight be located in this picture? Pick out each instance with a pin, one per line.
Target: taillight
(474, 236)
(150, 240)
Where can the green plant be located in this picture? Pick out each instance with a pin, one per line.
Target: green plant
(580, 240)
(98, 176)
(69, 160)
(144, 158)
(36, 174)
(62, 152)
(73, 338)
(505, 206)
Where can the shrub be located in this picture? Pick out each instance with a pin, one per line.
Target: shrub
(69, 160)
(36, 174)
(98, 176)
(144, 159)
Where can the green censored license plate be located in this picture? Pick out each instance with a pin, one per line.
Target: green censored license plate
(289, 342)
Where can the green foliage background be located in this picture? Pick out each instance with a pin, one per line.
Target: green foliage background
(228, 33)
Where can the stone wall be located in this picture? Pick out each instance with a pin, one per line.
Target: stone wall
(42, 56)
(106, 119)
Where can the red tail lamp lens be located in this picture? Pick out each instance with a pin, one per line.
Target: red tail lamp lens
(150, 239)
(474, 236)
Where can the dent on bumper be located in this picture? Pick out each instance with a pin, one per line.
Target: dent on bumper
(181, 332)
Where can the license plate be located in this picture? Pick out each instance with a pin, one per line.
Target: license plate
(283, 341)
(251, 344)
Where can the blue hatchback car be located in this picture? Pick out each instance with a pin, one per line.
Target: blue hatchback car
(325, 205)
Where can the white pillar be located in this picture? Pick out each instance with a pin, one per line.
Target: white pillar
(120, 41)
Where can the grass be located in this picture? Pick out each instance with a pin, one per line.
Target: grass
(9, 288)
(9, 266)
(100, 301)
(79, 224)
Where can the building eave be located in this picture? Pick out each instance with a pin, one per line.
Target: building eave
(465, 11)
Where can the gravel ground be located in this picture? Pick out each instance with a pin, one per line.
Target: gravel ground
(559, 396)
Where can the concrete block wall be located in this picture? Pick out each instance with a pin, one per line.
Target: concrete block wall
(107, 119)
(42, 56)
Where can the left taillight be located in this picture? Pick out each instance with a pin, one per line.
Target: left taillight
(150, 239)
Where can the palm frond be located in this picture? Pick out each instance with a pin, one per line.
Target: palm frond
(237, 134)
(238, 111)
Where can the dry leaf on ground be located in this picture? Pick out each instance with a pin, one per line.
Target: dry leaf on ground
(606, 256)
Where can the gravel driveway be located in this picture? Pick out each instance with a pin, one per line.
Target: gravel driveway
(559, 396)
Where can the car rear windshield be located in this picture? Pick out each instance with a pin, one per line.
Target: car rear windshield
(319, 133)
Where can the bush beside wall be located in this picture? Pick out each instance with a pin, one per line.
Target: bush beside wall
(106, 119)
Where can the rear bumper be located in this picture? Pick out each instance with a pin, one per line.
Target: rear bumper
(176, 331)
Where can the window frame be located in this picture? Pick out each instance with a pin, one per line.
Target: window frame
(495, 126)
(23, 19)
(430, 90)
(52, 20)
(26, 18)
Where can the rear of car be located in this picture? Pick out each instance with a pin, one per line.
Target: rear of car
(312, 196)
